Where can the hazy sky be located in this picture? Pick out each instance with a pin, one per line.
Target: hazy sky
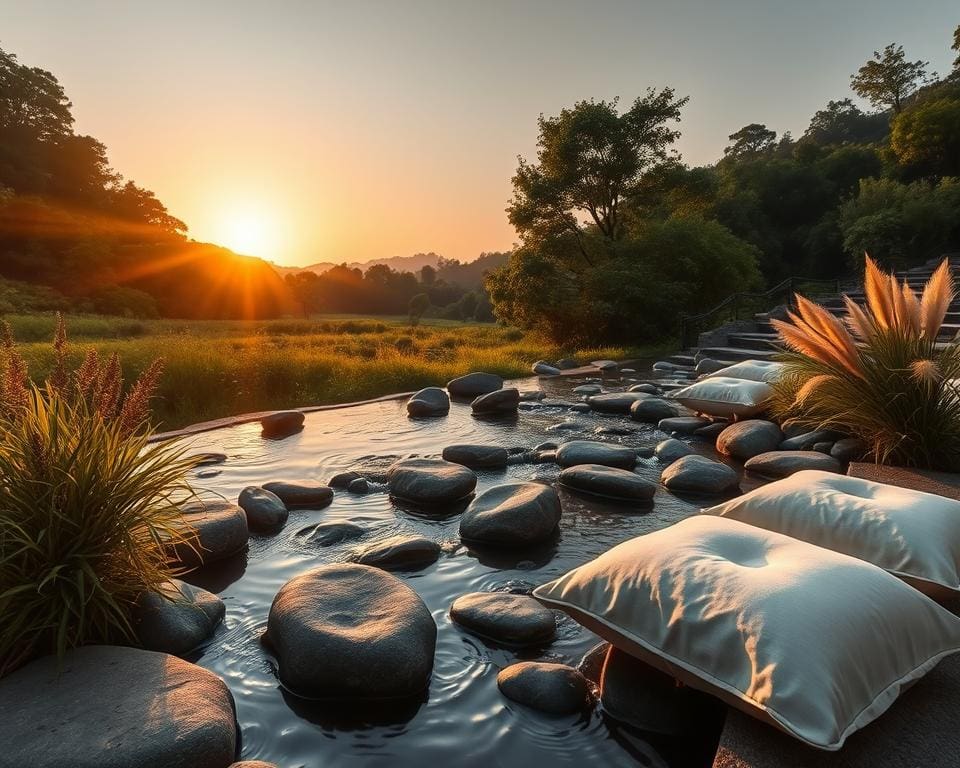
(313, 131)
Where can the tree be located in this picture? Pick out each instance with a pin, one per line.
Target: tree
(418, 305)
(428, 275)
(589, 159)
(750, 140)
(32, 102)
(888, 78)
(467, 306)
(927, 137)
(843, 122)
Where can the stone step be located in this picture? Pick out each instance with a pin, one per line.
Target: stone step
(735, 355)
(758, 341)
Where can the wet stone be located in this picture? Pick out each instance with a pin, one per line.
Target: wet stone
(615, 402)
(303, 495)
(784, 463)
(430, 481)
(281, 424)
(359, 486)
(517, 620)
(553, 688)
(500, 401)
(698, 474)
(747, 439)
(399, 553)
(672, 449)
(682, 425)
(431, 401)
(474, 384)
(327, 534)
(591, 452)
(512, 515)
(265, 510)
(476, 456)
(608, 481)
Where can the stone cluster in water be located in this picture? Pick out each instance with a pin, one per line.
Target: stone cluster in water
(354, 631)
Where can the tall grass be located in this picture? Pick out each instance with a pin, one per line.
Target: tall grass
(880, 374)
(87, 508)
(217, 369)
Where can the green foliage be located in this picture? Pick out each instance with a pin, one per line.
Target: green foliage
(888, 78)
(418, 305)
(926, 138)
(908, 223)
(750, 140)
(842, 122)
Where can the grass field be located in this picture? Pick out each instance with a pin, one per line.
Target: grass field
(222, 368)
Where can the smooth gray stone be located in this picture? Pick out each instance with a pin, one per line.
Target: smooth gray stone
(500, 401)
(116, 707)
(517, 620)
(592, 452)
(216, 530)
(708, 365)
(671, 449)
(588, 389)
(848, 449)
(351, 632)
(746, 439)
(566, 426)
(682, 425)
(652, 410)
(553, 688)
(825, 447)
(650, 389)
(342, 480)
(784, 463)
(616, 431)
(430, 401)
(608, 481)
(265, 510)
(532, 396)
(326, 534)
(302, 495)
(567, 364)
(430, 481)
(580, 408)
(359, 486)
(176, 619)
(543, 368)
(478, 456)
(549, 445)
(615, 402)
(399, 552)
(664, 365)
(711, 431)
(807, 440)
(281, 424)
(474, 384)
(606, 365)
(698, 474)
(512, 515)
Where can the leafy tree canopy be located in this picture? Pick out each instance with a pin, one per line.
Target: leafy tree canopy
(888, 78)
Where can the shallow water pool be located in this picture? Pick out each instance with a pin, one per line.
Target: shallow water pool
(462, 720)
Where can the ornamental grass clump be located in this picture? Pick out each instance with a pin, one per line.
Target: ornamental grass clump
(88, 508)
(879, 373)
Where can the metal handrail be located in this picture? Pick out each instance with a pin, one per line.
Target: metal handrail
(786, 286)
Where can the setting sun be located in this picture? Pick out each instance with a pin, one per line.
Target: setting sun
(249, 232)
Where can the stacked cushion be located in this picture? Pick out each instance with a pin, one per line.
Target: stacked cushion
(814, 642)
(913, 535)
(723, 396)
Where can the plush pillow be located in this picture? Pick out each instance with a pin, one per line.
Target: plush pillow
(914, 535)
(720, 396)
(751, 370)
(814, 642)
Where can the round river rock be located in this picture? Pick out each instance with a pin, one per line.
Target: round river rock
(474, 384)
(431, 401)
(512, 515)
(479, 456)
(698, 474)
(430, 481)
(747, 439)
(615, 402)
(500, 401)
(351, 632)
(517, 620)
(608, 481)
(784, 463)
(553, 688)
(399, 553)
(177, 619)
(592, 452)
(281, 424)
(218, 530)
(265, 511)
(304, 495)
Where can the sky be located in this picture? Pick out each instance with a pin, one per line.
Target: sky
(347, 131)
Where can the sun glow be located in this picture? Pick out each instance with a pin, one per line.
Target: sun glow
(248, 231)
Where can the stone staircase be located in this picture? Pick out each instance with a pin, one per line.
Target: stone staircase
(757, 340)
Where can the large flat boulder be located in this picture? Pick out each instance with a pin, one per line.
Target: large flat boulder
(517, 620)
(607, 481)
(351, 632)
(615, 402)
(116, 707)
(477, 456)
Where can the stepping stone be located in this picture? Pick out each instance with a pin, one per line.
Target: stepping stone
(608, 481)
(326, 534)
(478, 456)
(399, 553)
(265, 511)
(431, 401)
(474, 384)
(303, 495)
(784, 463)
(649, 389)
(698, 474)
(747, 439)
(807, 440)
(652, 410)
(512, 515)
(682, 425)
(500, 401)
(430, 481)
(543, 368)
(615, 402)
(517, 620)
(342, 480)
(591, 452)
(671, 449)
(606, 365)
(351, 632)
(176, 619)
(553, 688)
(110, 706)
(588, 389)
(281, 424)
(216, 530)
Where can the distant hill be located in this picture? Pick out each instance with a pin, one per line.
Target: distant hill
(400, 263)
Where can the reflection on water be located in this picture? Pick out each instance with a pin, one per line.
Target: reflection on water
(463, 720)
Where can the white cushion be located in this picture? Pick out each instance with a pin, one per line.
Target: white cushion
(812, 641)
(720, 396)
(914, 535)
(751, 370)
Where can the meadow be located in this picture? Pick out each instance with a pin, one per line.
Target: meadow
(215, 369)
